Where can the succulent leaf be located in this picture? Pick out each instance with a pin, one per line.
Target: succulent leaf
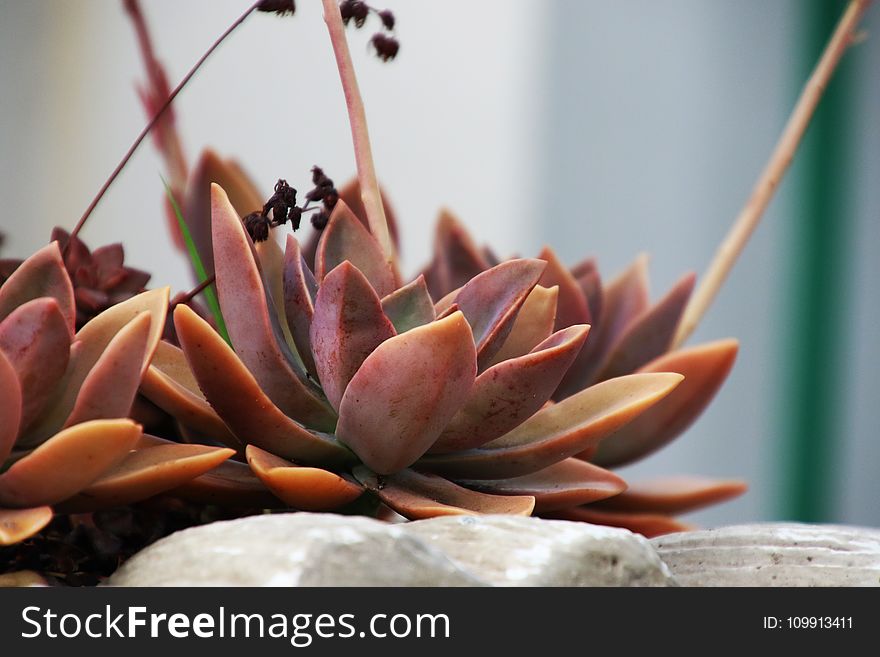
(231, 484)
(705, 367)
(406, 392)
(67, 463)
(109, 389)
(533, 324)
(417, 496)
(558, 431)
(409, 306)
(346, 238)
(300, 290)
(242, 193)
(17, 525)
(271, 259)
(348, 325)
(649, 335)
(41, 275)
(674, 495)
(246, 311)
(35, 338)
(307, 489)
(91, 341)
(10, 406)
(236, 396)
(571, 306)
(456, 257)
(507, 394)
(491, 301)
(647, 524)
(147, 472)
(571, 482)
(169, 384)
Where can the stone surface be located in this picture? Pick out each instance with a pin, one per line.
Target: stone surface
(296, 549)
(774, 554)
(304, 549)
(518, 551)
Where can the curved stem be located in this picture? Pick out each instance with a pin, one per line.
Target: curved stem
(357, 117)
(154, 121)
(781, 158)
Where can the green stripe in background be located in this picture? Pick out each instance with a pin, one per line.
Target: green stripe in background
(820, 227)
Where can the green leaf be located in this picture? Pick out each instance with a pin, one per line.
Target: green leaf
(198, 266)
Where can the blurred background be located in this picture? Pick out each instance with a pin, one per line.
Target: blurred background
(598, 128)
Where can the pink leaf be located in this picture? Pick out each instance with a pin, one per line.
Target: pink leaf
(571, 307)
(506, 395)
(246, 311)
(409, 306)
(347, 327)
(705, 367)
(673, 495)
(406, 392)
(345, 238)
(300, 290)
(558, 431)
(10, 407)
(41, 275)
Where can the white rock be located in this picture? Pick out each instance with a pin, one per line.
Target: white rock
(774, 554)
(519, 551)
(292, 549)
(304, 549)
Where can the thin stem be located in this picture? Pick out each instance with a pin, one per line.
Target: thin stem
(154, 120)
(357, 117)
(771, 177)
(198, 289)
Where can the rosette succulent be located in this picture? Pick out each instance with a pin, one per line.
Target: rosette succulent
(66, 442)
(343, 379)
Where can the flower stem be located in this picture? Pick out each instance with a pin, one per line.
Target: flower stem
(152, 123)
(783, 154)
(357, 117)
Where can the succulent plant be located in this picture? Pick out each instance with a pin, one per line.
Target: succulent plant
(100, 278)
(343, 380)
(66, 442)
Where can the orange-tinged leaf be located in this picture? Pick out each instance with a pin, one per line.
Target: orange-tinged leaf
(507, 394)
(572, 306)
(406, 392)
(558, 431)
(169, 384)
(347, 326)
(146, 472)
(111, 385)
(41, 275)
(10, 407)
(307, 489)
(647, 524)
(236, 396)
(418, 496)
(705, 367)
(246, 312)
(674, 494)
(67, 463)
(36, 340)
(346, 238)
(17, 525)
(232, 484)
(532, 325)
(571, 482)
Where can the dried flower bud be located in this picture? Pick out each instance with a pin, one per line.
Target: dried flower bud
(387, 19)
(257, 226)
(280, 7)
(386, 46)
